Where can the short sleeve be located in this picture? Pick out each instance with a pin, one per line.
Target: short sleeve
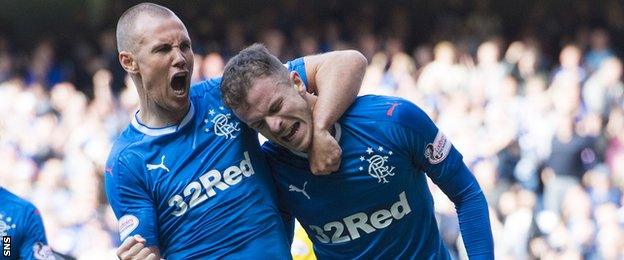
(129, 197)
(298, 65)
(35, 244)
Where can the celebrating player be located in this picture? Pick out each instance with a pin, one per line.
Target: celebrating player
(21, 229)
(378, 203)
(186, 175)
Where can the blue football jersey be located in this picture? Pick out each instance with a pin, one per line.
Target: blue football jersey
(21, 229)
(199, 189)
(378, 203)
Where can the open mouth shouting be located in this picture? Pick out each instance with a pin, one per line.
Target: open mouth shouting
(291, 132)
(179, 83)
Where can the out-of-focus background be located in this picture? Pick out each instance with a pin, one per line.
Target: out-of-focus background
(529, 91)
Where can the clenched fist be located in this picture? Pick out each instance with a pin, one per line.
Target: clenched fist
(325, 153)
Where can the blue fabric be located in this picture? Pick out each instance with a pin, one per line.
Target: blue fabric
(198, 190)
(22, 223)
(379, 203)
(298, 65)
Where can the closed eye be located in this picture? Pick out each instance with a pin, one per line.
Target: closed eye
(161, 48)
(276, 106)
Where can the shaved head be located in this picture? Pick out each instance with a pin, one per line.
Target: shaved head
(126, 35)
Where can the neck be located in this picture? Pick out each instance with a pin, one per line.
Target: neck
(153, 115)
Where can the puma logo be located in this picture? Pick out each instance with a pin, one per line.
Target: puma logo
(158, 166)
(297, 189)
(391, 109)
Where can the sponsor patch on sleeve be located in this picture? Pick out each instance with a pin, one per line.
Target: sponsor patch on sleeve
(42, 251)
(437, 151)
(127, 224)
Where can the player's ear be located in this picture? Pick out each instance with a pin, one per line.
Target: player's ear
(127, 61)
(297, 83)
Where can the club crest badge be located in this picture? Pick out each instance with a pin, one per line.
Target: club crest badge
(222, 124)
(377, 161)
(6, 224)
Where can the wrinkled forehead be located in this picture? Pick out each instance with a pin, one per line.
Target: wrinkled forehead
(153, 28)
(259, 98)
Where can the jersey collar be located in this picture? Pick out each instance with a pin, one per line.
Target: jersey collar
(337, 136)
(162, 130)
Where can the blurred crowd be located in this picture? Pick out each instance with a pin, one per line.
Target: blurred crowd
(537, 111)
(547, 146)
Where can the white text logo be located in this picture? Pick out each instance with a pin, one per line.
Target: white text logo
(209, 181)
(361, 221)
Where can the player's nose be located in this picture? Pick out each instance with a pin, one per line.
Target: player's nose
(274, 124)
(179, 60)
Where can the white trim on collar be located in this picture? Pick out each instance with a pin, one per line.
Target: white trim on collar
(337, 136)
(163, 130)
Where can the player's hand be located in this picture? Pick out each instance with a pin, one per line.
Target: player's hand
(134, 248)
(325, 153)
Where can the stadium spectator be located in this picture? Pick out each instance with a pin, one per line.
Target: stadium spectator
(57, 122)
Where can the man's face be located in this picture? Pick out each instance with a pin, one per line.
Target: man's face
(280, 113)
(165, 61)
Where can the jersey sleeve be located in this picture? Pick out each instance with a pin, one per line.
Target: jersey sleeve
(298, 65)
(129, 197)
(35, 244)
(432, 152)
